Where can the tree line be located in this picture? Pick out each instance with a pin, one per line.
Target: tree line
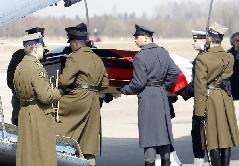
(170, 20)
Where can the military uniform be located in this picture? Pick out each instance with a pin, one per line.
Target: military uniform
(212, 102)
(79, 107)
(154, 72)
(187, 93)
(222, 130)
(15, 60)
(36, 137)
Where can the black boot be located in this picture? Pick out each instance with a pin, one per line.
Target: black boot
(215, 157)
(149, 164)
(225, 156)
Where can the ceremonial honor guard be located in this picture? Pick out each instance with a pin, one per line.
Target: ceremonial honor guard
(199, 40)
(154, 72)
(82, 78)
(36, 137)
(15, 60)
(213, 101)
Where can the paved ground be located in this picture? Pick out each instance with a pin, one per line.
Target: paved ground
(120, 131)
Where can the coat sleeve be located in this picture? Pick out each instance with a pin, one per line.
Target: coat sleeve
(44, 93)
(105, 81)
(69, 72)
(172, 73)
(200, 87)
(139, 80)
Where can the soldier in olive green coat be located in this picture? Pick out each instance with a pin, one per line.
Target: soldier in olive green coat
(36, 137)
(83, 75)
(213, 99)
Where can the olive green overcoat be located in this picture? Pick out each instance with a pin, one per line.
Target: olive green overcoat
(36, 137)
(221, 125)
(80, 109)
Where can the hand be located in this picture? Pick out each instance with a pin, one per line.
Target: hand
(108, 97)
(62, 92)
(118, 89)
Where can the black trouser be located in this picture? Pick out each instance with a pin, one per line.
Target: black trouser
(196, 138)
(150, 155)
(220, 157)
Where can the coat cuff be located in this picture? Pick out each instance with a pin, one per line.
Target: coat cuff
(199, 107)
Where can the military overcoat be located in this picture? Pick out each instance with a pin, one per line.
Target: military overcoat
(153, 63)
(221, 125)
(80, 108)
(36, 137)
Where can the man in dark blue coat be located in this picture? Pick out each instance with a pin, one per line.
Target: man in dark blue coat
(235, 76)
(154, 72)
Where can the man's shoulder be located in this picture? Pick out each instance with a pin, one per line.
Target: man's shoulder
(203, 55)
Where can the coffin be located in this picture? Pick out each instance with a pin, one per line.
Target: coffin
(68, 150)
(119, 66)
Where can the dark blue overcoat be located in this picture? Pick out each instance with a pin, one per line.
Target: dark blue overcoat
(152, 63)
(235, 76)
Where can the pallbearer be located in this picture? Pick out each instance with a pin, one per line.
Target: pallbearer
(154, 73)
(199, 40)
(36, 137)
(82, 78)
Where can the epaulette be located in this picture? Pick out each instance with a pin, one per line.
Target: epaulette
(38, 63)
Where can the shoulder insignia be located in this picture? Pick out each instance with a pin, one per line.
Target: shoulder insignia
(42, 74)
(38, 63)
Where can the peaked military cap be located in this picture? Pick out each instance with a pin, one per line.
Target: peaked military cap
(33, 39)
(35, 30)
(217, 31)
(198, 34)
(78, 32)
(143, 31)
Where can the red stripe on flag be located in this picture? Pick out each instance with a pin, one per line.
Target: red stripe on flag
(180, 83)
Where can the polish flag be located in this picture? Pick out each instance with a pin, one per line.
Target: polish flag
(182, 81)
(185, 75)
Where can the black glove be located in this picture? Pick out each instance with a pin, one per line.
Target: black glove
(118, 89)
(62, 92)
(172, 99)
(108, 97)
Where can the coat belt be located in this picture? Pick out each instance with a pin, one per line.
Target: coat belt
(214, 85)
(85, 86)
(224, 85)
(27, 102)
(155, 83)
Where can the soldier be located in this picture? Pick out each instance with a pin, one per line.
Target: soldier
(154, 72)
(213, 102)
(235, 76)
(15, 60)
(82, 78)
(199, 40)
(36, 137)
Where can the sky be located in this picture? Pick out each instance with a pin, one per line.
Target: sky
(100, 7)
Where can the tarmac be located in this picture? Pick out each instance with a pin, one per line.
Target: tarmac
(120, 128)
